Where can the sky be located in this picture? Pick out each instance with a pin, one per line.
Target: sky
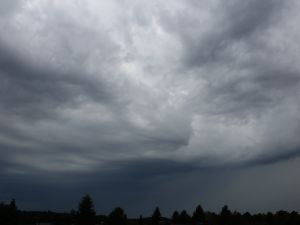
(141, 103)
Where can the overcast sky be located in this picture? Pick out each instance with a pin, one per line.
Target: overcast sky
(142, 103)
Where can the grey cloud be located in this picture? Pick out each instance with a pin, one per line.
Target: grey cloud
(254, 93)
(8, 6)
(185, 95)
(228, 23)
(35, 91)
(235, 21)
(248, 87)
(245, 18)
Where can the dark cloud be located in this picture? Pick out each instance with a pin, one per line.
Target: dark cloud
(181, 189)
(235, 22)
(137, 106)
(32, 91)
(248, 17)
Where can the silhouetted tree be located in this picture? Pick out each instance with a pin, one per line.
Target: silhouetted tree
(9, 213)
(156, 216)
(175, 217)
(117, 217)
(184, 218)
(13, 212)
(225, 215)
(198, 215)
(86, 211)
(141, 221)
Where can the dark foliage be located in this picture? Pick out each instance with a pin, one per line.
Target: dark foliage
(117, 217)
(141, 221)
(86, 212)
(198, 215)
(175, 217)
(156, 216)
(225, 216)
(10, 215)
(184, 218)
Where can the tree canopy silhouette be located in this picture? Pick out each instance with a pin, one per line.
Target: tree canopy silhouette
(85, 215)
(141, 220)
(198, 215)
(184, 217)
(117, 217)
(225, 215)
(9, 213)
(175, 217)
(156, 216)
(86, 211)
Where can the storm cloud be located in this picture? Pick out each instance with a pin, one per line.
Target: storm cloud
(98, 94)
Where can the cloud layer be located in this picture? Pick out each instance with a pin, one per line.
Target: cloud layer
(97, 86)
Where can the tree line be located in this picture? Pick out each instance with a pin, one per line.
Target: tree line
(86, 215)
